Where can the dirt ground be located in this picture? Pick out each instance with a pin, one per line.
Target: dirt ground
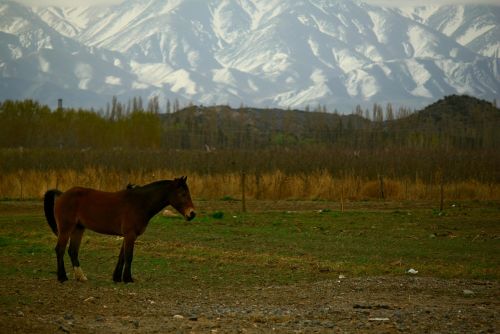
(347, 305)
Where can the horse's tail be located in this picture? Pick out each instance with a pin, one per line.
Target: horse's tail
(48, 206)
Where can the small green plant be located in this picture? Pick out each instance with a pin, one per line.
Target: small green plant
(439, 213)
(227, 198)
(217, 215)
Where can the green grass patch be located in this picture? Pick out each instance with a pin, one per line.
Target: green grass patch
(267, 248)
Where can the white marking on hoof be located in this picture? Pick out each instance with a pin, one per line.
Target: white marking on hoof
(79, 275)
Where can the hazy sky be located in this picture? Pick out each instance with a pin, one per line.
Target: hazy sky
(69, 3)
(405, 3)
(394, 3)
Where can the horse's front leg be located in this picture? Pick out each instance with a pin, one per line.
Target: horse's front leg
(117, 274)
(128, 253)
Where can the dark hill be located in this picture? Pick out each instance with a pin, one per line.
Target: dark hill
(455, 121)
(459, 109)
(460, 121)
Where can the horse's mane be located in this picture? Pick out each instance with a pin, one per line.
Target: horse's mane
(161, 183)
(155, 184)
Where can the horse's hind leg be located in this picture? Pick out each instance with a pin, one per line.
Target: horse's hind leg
(74, 246)
(62, 241)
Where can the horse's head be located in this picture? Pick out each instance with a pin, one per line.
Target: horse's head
(181, 198)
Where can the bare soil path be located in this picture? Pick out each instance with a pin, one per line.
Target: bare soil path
(347, 305)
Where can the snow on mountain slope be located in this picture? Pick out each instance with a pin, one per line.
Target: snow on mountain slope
(476, 27)
(34, 53)
(258, 52)
(67, 21)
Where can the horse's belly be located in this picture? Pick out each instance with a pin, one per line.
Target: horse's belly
(101, 224)
(103, 229)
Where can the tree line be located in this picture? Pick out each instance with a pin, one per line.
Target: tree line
(455, 122)
(456, 136)
(28, 124)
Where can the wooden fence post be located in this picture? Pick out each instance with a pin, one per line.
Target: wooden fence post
(342, 196)
(257, 185)
(441, 193)
(243, 199)
(382, 186)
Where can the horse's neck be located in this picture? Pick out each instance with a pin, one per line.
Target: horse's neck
(156, 198)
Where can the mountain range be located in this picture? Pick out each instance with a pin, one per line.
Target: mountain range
(261, 53)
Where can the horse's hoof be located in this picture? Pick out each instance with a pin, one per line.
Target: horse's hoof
(128, 280)
(79, 275)
(62, 279)
(117, 278)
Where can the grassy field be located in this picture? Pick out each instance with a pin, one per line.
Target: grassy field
(285, 266)
(275, 243)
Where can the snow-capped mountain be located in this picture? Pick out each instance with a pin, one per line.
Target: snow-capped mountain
(274, 53)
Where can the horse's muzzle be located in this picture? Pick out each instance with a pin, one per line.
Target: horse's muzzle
(190, 215)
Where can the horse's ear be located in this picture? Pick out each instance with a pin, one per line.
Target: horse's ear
(181, 180)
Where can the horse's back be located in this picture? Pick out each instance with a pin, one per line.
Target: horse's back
(97, 210)
(93, 194)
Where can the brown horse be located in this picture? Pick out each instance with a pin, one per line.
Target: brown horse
(125, 213)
